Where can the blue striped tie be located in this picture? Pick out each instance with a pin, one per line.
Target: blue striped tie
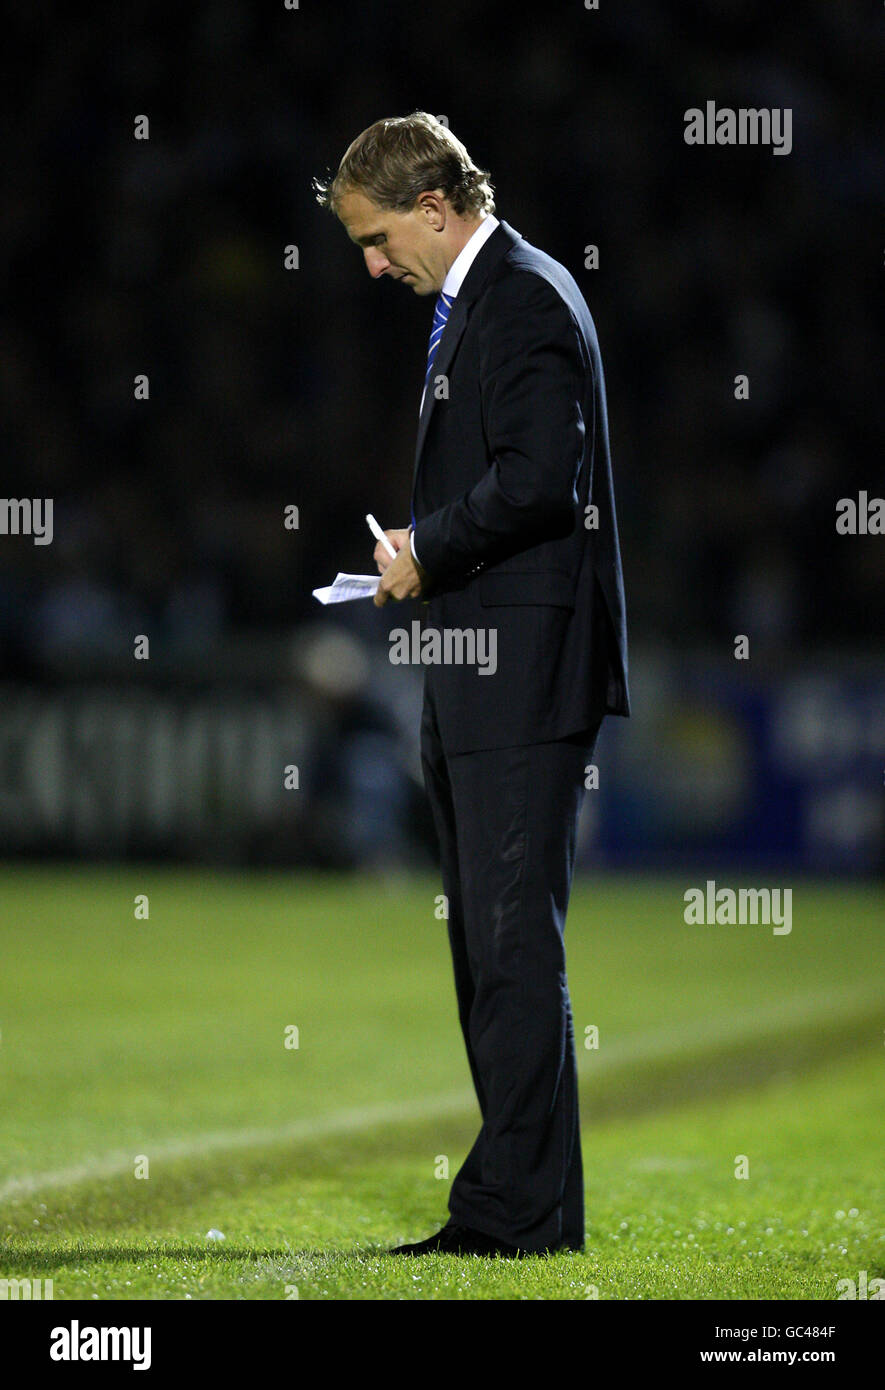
(440, 318)
(444, 303)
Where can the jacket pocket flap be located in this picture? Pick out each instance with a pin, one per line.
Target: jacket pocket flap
(514, 587)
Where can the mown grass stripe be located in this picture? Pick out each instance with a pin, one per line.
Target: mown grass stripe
(678, 1062)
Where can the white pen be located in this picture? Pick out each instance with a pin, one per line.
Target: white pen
(379, 535)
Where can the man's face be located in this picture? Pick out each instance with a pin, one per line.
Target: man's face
(405, 245)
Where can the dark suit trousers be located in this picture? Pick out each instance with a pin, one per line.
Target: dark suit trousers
(506, 819)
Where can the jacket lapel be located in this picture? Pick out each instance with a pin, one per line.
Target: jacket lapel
(503, 238)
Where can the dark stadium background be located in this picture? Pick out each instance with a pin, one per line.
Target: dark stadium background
(272, 387)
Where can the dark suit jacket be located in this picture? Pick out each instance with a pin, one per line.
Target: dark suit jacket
(504, 469)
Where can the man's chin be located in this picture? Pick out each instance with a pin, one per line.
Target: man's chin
(417, 286)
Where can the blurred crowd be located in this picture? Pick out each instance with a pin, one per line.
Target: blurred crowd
(272, 387)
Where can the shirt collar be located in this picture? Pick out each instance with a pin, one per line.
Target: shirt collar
(467, 255)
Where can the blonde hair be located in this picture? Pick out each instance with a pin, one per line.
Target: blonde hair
(395, 160)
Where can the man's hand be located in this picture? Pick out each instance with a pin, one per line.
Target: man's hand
(400, 578)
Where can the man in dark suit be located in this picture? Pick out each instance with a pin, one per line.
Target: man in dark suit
(513, 532)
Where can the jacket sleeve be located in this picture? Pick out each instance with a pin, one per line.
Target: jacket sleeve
(532, 383)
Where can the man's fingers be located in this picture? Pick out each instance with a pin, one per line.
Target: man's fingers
(382, 555)
(399, 579)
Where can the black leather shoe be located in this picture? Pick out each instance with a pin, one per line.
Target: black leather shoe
(461, 1240)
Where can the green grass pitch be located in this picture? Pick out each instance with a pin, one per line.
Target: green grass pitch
(159, 1046)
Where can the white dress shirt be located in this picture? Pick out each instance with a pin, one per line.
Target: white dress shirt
(457, 273)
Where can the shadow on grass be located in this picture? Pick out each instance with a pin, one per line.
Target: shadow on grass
(74, 1256)
(26, 1259)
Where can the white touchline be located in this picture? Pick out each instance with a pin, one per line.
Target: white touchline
(192, 1146)
(653, 1045)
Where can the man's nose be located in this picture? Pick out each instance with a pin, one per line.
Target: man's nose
(376, 262)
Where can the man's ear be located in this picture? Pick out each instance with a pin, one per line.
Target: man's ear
(432, 204)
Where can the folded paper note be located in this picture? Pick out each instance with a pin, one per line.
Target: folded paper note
(348, 586)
